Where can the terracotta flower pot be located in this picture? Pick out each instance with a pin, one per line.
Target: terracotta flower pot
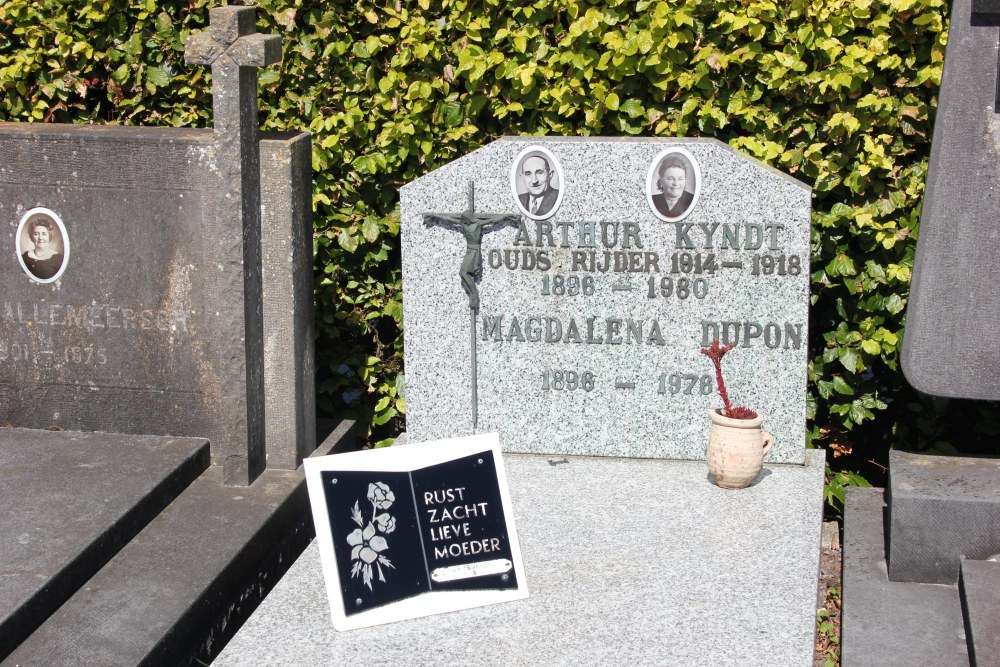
(736, 449)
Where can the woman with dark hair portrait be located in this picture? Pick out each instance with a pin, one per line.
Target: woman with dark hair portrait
(43, 261)
(673, 200)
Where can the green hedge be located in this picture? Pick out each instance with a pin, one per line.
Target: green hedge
(840, 94)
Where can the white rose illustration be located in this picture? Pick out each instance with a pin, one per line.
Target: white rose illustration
(366, 540)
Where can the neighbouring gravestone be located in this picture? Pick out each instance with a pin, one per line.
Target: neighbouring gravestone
(413, 531)
(148, 315)
(558, 291)
(906, 544)
(954, 306)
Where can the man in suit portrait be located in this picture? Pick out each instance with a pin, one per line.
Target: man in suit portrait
(673, 200)
(536, 176)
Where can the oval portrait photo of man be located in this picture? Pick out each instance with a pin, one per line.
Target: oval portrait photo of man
(536, 179)
(672, 184)
(42, 245)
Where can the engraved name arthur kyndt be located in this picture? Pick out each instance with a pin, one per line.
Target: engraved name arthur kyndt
(536, 180)
(42, 245)
(673, 184)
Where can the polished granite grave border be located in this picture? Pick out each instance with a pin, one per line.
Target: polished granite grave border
(629, 561)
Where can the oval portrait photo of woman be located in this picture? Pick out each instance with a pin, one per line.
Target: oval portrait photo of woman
(536, 180)
(42, 245)
(672, 184)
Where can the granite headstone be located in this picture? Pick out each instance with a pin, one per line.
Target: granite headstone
(559, 290)
(132, 295)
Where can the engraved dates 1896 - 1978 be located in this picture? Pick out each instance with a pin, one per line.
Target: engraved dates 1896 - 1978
(686, 384)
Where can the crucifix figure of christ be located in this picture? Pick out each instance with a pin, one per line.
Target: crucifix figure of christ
(471, 225)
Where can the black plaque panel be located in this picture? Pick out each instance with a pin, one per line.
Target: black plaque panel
(397, 571)
(400, 534)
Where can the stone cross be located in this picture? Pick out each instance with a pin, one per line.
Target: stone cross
(235, 51)
(471, 225)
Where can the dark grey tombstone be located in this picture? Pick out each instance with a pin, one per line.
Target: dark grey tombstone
(286, 251)
(941, 509)
(155, 324)
(954, 306)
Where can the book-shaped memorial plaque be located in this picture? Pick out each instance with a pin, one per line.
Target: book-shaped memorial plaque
(411, 531)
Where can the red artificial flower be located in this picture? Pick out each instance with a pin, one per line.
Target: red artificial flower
(715, 352)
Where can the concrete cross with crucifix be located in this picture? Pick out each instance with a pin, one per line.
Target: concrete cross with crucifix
(235, 51)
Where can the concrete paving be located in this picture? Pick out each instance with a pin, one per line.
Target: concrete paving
(70, 502)
(126, 614)
(887, 623)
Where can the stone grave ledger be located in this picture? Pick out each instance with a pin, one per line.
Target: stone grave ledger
(143, 330)
(555, 292)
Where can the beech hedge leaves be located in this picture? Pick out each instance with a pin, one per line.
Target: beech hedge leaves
(837, 93)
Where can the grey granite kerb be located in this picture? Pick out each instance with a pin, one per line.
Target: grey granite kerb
(234, 52)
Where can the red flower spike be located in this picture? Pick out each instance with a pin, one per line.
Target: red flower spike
(741, 413)
(715, 352)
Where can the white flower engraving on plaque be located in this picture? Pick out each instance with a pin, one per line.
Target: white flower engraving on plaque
(368, 540)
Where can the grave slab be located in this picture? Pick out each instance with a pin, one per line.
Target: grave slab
(953, 303)
(979, 585)
(577, 329)
(941, 508)
(887, 623)
(189, 578)
(70, 502)
(628, 561)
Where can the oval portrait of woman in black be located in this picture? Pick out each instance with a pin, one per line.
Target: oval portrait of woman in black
(673, 184)
(42, 245)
